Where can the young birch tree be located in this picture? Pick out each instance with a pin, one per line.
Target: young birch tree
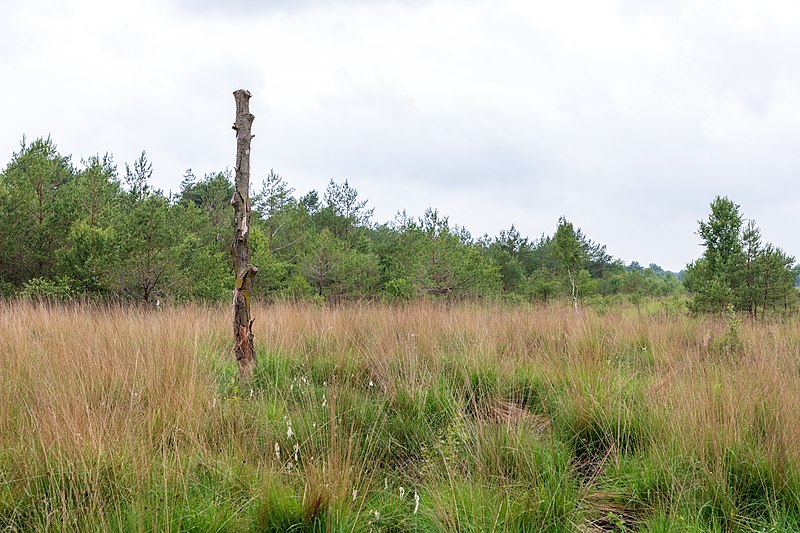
(570, 253)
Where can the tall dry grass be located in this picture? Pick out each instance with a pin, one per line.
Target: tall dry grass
(117, 418)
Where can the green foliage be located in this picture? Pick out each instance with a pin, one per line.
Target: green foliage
(149, 238)
(123, 239)
(96, 191)
(439, 260)
(337, 270)
(211, 197)
(398, 290)
(344, 210)
(7, 289)
(206, 274)
(596, 415)
(570, 254)
(298, 288)
(137, 178)
(275, 206)
(542, 285)
(737, 270)
(37, 210)
(47, 289)
(567, 249)
(731, 342)
(507, 252)
(89, 258)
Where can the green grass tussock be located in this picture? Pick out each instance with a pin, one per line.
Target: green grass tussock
(403, 419)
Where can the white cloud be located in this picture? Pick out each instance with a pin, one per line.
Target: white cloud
(627, 117)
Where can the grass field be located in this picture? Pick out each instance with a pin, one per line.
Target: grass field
(415, 418)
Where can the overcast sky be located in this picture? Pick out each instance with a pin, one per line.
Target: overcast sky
(627, 116)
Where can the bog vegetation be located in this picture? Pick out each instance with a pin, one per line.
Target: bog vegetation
(421, 417)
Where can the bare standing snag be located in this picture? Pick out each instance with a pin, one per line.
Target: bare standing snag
(240, 249)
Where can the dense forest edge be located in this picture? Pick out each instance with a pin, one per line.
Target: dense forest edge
(91, 231)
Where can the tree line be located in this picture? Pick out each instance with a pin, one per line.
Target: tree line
(93, 230)
(737, 270)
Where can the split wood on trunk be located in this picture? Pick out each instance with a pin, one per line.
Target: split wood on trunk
(240, 249)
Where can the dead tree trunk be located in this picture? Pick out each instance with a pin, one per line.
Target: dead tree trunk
(240, 249)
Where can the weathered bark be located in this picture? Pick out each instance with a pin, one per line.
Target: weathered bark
(240, 249)
(574, 293)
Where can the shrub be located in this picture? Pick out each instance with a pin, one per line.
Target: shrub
(398, 290)
(48, 289)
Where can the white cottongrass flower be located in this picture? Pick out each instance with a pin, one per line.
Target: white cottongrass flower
(324, 401)
(376, 514)
(278, 451)
(289, 432)
(355, 493)
(402, 493)
(296, 451)
(386, 483)
(371, 384)
(416, 501)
